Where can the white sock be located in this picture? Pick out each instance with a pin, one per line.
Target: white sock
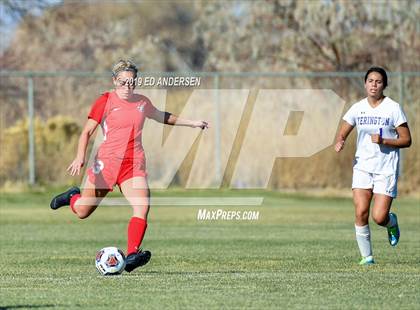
(392, 221)
(363, 240)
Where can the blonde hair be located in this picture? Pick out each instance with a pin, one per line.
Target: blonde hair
(124, 65)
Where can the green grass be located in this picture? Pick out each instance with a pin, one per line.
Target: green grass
(300, 253)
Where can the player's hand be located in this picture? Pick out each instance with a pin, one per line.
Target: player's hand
(376, 138)
(200, 124)
(75, 166)
(339, 146)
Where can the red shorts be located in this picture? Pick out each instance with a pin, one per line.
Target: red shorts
(107, 172)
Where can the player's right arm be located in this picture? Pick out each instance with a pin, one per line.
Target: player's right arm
(347, 125)
(94, 119)
(79, 161)
(342, 135)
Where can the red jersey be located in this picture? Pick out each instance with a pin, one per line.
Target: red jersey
(122, 124)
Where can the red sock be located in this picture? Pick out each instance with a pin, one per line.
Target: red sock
(136, 229)
(73, 200)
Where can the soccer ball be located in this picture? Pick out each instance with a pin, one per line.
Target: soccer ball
(110, 261)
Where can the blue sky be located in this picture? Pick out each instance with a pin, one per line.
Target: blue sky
(9, 22)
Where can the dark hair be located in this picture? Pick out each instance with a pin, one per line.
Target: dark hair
(381, 71)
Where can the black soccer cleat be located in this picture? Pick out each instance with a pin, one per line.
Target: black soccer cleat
(138, 259)
(64, 198)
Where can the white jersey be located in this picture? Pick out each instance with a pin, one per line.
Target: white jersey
(383, 119)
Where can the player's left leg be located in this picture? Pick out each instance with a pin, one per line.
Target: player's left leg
(380, 210)
(82, 203)
(382, 217)
(136, 191)
(385, 190)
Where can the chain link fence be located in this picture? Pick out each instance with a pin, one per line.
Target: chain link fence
(34, 100)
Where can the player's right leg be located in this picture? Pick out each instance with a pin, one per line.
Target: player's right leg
(362, 199)
(81, 204)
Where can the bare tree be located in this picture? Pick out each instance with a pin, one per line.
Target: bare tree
(16, 9)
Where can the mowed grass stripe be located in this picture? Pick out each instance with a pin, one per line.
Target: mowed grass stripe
(300, 253)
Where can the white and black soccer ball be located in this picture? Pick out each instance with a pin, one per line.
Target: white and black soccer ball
(110, 261)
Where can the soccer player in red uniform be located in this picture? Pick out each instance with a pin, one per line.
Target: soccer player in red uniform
(120, 159)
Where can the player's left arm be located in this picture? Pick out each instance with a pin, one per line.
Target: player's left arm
(403, 140)
(171, 119)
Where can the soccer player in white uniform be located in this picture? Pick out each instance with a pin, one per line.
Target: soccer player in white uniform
(382, 130)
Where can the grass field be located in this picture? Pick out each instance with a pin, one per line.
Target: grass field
(300, 253)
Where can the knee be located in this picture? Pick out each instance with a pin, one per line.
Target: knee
(380, 219)
(141, 211)
(82, 214)
(362, 216)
